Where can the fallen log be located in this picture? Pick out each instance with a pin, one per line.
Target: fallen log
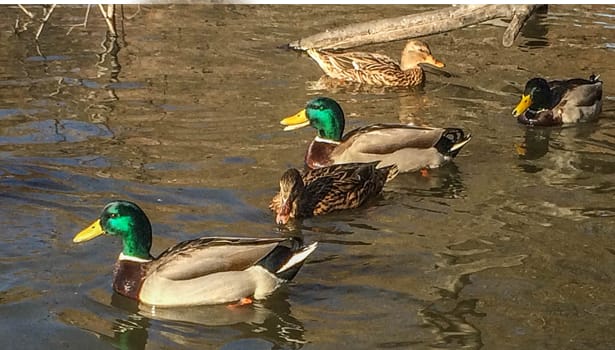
(417, 25)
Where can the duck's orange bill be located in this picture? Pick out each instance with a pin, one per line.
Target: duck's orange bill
(522, 106)
(296, 121)
(433, 61)
(92, 231)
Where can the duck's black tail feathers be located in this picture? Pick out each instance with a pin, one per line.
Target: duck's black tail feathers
(284, 261)
(452, 141)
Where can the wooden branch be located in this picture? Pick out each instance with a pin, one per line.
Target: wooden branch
(520, 15)
(85, 21)
(28, 13)
(411, 26)
(45, 19)
(108, 15)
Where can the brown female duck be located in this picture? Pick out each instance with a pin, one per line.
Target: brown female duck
(323, 190)
(377, 69)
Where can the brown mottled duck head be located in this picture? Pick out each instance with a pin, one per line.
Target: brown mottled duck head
(416, 52)
(291, 189)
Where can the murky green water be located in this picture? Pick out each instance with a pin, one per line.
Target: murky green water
(494, 251)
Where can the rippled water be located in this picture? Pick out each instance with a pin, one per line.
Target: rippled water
(495, 251)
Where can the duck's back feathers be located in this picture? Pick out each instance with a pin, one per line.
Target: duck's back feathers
(203, 256)
(362, 67)
(334, 62)
(343, 186)
(409, 147)
(219, 270)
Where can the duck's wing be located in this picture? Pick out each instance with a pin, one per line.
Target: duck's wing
(344, 186)
(388, 138)
(576, 92)
(337, 172)
(351, 61)
(208, 255)
(220, 270)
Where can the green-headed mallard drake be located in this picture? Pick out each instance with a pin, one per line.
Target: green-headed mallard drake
(559, 102)
(323, 190)
(411, 148)
(203, 271)
(377, 69)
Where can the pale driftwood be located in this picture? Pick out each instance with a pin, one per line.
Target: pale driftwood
(85, 21)
(417, 25)
(108, 14)
(45, 19)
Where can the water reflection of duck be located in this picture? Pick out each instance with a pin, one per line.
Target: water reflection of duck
(196, 272)
(377, 69)
(563, 152)
(409, 147)
(323, 190)
(535, 143)
(559, 101)
(271, 319)
(452, 327)
(444, 182)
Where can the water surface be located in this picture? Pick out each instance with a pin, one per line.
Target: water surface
(180, 114)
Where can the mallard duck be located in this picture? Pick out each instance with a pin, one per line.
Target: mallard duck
(377, 69)
(323, 190)
(411, 148)
(559, 101)
(203, 271)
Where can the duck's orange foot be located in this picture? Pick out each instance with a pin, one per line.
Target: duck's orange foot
(424, 172)
(241, 302)
(245, 301)
(520, 149)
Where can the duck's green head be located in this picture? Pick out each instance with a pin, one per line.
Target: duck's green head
(126, 220)
(536, 96)
(323, 114)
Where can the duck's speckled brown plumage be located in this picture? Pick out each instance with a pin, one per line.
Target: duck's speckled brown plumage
(559, 102)
(377, 69)
(323, 190)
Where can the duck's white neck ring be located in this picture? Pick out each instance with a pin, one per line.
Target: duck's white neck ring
(132, 258)
(320, 139)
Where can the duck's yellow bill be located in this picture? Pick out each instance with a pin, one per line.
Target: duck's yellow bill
(296, 121)
(92, 231)
(522, 106)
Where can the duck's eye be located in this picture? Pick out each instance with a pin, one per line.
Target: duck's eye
(321, 107)
(113, 215)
